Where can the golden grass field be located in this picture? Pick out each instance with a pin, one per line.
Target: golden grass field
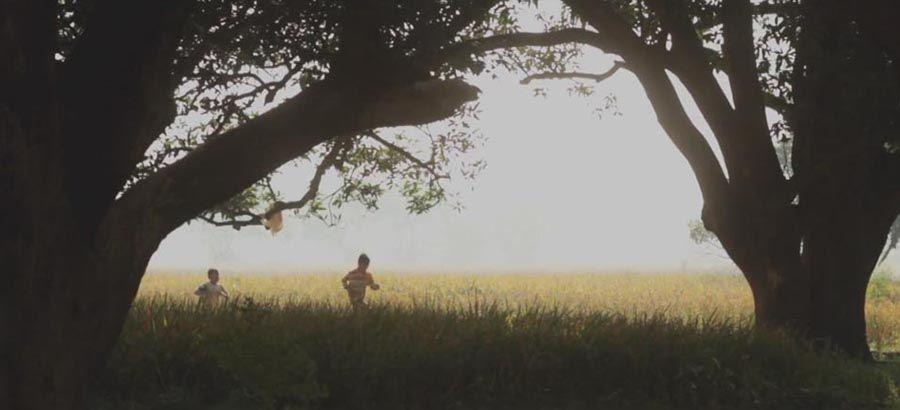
(631, 294)
(487, 341)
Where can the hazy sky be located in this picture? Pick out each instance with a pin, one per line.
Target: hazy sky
(563, 190)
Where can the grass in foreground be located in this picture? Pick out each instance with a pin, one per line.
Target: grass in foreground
(480, 354)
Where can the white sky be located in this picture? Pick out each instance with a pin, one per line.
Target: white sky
(564, 190)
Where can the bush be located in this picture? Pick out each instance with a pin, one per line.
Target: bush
(259, 355)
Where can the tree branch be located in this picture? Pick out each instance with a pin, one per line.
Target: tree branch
(740, 61)
(328, 161)
(235, 223)
(231, 162)
(779, 104)
(784, 9)
(686, 137)
(616, 35)
(574, 75)
(484, 45)
(406, 154)
(744, 137)
(649, 66)
(762, 9)
(613, 35)
(755, 142)
(721, 212)
(688, 59)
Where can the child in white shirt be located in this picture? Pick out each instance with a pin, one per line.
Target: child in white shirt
(211, 292)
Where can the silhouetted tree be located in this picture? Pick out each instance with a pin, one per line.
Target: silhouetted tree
(87, 88)
(806, 233)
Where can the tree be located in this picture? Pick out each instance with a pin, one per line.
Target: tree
(88, 86)
(806, 233)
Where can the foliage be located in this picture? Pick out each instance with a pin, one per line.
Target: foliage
(374, 163)
(460, 345)
(243, 78)
(193, 359)
(238, 59)
(702, 236)
(881, 285)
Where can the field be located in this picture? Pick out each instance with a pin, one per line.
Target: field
(483, 341)
(724, 297)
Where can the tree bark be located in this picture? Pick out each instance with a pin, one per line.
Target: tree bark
(62, 327)
(843, 243)
(820, 292)
(62, 312)
(839, 313)
(62, 302)
(842, 173)
(780, 298)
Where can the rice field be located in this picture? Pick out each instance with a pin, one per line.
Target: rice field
(639, 293)
(441, 341)
(698, 295)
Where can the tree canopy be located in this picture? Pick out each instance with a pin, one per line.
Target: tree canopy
(236, 60)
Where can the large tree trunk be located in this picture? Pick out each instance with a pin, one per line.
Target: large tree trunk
(64, 298)
(60, 321)
(839, 314)
(779, 299)
(828, 308)
(827, 305)
(817, 290)
(43, 365)
(48, 366)
(842, 245)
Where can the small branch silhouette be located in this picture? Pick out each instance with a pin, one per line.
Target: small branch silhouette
(574, 75)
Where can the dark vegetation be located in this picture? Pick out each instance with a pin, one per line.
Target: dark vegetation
(250, 355)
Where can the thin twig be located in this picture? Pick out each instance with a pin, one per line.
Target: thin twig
(574, 75)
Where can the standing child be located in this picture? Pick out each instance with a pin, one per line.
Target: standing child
(211, 292)
(356, 282)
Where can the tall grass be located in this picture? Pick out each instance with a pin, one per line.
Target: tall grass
(674, 295)
(439, 342)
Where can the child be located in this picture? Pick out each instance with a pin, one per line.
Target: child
(356, 282)
(211, 292)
